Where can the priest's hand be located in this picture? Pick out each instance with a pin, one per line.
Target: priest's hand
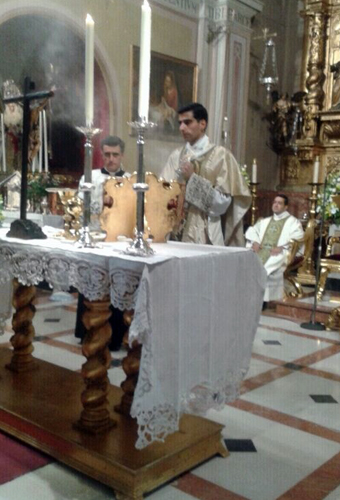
(276, 250)
(256, 247)
(187, 170)
(108, 201)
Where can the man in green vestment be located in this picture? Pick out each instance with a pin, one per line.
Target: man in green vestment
(269, 238)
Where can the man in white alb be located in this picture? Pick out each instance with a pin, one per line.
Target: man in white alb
(269, 238)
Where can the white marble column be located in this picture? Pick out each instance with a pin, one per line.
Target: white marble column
(224, 59)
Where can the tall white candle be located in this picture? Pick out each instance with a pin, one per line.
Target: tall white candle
(89, 70)
(254, 172)
(144, 62)
(41, 141)
(316, 170)
(3, 139)
(45, 140)
(34, 164)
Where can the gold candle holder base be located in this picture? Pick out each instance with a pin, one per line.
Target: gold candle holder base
(254, 208)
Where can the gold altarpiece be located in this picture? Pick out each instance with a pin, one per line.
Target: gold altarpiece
(321, 110)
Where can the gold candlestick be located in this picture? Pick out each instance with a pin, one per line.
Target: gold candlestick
(306, 273)
(254, 209)
(313, 198)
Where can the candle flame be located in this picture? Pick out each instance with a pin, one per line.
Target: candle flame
(89, 19)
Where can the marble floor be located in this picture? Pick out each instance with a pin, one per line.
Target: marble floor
(283, 433)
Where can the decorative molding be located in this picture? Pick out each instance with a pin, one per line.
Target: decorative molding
(332, 163)
(189, 7)
(237, 11)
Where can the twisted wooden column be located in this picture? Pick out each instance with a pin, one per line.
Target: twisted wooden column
(130, 365)
(95, 416)
(22, 359)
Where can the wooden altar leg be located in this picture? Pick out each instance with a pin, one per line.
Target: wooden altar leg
(130, 365)
(95, 416)
(22, 359)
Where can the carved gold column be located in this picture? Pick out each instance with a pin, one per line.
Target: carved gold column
(95, 416)
(22, 359)
(315, 67)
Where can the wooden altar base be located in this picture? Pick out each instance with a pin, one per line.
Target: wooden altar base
(40, 407)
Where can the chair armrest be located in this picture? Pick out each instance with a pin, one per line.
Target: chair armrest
(332, 240)
(293, 248)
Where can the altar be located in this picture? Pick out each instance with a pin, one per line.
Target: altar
(196, 310)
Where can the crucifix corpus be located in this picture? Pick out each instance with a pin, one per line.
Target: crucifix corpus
(23, 228)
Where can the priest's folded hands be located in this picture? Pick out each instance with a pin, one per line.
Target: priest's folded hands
(256, 247)
(276, 251)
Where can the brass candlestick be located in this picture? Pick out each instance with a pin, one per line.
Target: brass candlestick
(306, 273)
(254, 208)
(313, 198)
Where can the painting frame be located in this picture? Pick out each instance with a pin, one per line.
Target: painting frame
(173, 83)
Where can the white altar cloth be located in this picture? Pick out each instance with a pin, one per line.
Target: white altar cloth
(196, 313)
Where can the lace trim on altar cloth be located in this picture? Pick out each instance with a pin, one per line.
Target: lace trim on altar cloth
(156, 423)
(124, 287)
(59, 271)
(207, 396)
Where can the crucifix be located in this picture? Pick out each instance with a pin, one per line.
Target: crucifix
(23, 228)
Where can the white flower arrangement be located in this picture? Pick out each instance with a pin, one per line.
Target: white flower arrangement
(332, 212)
(243, 169)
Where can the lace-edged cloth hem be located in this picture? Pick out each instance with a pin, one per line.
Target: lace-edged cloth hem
(158, 422)
(95, 282)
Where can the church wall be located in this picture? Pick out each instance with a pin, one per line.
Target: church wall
(284, 19)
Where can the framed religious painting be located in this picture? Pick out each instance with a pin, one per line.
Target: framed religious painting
(173, 83)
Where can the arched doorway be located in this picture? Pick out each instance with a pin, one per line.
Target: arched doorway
(51, 52)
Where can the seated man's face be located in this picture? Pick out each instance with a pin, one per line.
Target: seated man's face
(112, 156)
(279, 205)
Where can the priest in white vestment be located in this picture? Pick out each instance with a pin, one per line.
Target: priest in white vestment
(216, 194)
(269, 238)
